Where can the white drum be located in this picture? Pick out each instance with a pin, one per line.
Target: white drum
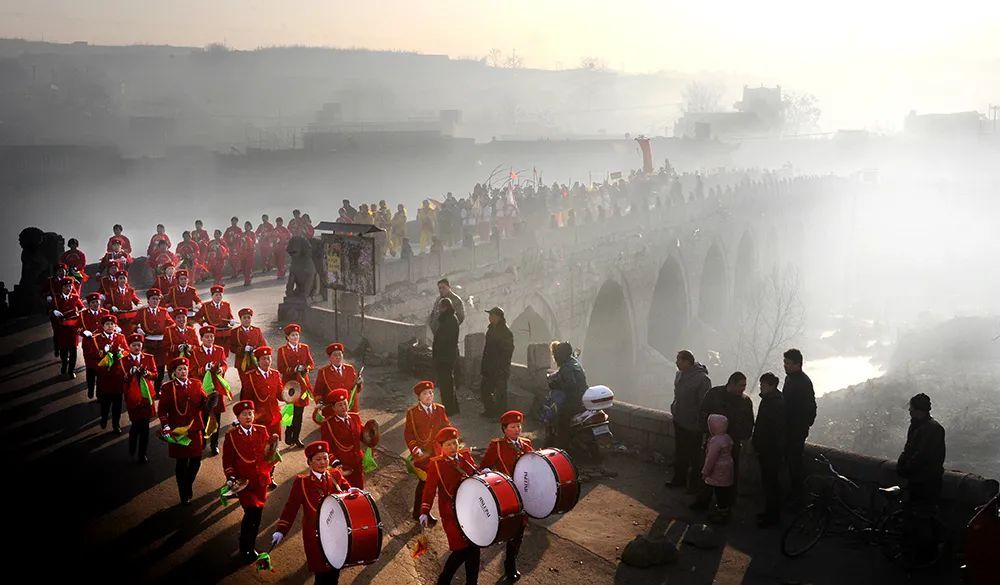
(488, 508)
(350, 529)
(547, 481)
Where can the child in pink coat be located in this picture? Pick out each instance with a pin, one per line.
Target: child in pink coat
(718, 469)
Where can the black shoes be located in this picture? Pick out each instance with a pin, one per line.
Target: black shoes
(215, 449)
(298, 444)
(512, 577)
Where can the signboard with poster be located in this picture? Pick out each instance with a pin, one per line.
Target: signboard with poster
(350, 262)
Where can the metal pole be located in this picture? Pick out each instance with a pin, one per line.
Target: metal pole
(336, 315)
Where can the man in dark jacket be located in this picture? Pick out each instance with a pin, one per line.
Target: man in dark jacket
(445, 355)
(922, 461)
(769, 443)
(731, 402)
(567, 386)
(496, 364)
(800, 414)
(691, 383)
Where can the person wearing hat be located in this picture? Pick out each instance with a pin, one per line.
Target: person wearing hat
(180, 338)
(182, 294)
(308, 491)
(210, 358)
(444, 473)
(123, 242)
(161, 255)
(158, 240)
(74, 258)
(247, 247)
(245, 457)
(137, 374)
(495, 369)
(54, 287)
(189, 253)
(183, 406)
(502, 455)
(339, 374)
(341, 429)
(294, 363)
(922, 461)
(107, 340)
(90, 325)
(65, 308)
(200, 234)
(217, 313)
(153, 321)
(122, 300)
(244, 340)
(110, 278)
(423, 421)
(232, 238)
(119, 253)
(166, 277)
(216, 253)
(262, 385)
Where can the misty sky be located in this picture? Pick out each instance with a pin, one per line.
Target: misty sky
(905, 56)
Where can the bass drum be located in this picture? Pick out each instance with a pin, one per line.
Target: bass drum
(350, 529)
(488, 508)
(547, 481)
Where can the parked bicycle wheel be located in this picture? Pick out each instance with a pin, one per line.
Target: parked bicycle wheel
(806, 529)
(912, 542)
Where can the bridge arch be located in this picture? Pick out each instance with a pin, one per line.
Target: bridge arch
(668, 310)
(609, 345)
(713, 292)
(536, 323)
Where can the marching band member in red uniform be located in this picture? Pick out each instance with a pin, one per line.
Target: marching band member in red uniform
(444, 474)
(189, 253)
(294, 363)
(342, 431)
(137, 373)
(216, 253)
(295, 225)
(65, 310)
(310, 231)
(90, 325)
(308, 492)
(118, 235)
(121, 301)
(245, 457)
(281, 238)
(265, 235)
(161, 255)
(244, 340)
(74, 258)
(234, 239)
(107, 340)
(338, 375)
(116, 254)
(262, 385)
(152, 321)
(182, 408)
(210, 357)
(501, 455)
(159, 236)
(183, 294)
(53, 289)
(180, 339)
(247, 248)
(166, 278)
(217, 313)
(423, 421)
(199, 234)
(110, 278)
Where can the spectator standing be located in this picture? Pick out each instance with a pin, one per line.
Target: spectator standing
(445, 353)
(800, 414)
(691, 383)
(732, 402)
(769, 443)
(495, 368)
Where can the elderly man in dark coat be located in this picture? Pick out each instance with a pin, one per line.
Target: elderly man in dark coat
(495, 369)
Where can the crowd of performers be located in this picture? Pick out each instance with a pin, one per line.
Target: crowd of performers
(166, 360)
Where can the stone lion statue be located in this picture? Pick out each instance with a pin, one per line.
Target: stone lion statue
(302, 270)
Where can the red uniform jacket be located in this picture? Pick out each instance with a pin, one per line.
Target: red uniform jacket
(218, 251)
(233, 237)
(443, 477)
(123, 300)
(501, 455)
(308, 493)
(248, 244)
(154, 323)
(344, 438)
(186, 298)
(122, 259)
(175, 337)
(154, 240)
(66, 328)
(55, 288)
(182, 405)
(221, 316)
(164, 283)
(281, 236)
(243, 458)
(217, 356)
(93, 352)
(200, 236)
(420, 430)
(263, 391)
(139, 407)
(264, 233)
(239, 338)
(289, 359)
(91, 320)
(126, 243)
(329, 379)
(157, 259)
(74, 259)
(190, 251)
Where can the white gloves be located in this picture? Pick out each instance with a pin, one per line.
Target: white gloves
(248, 349)
(276, 538)
(354, 490)
(48, 299)
(57, 313)
(165, 429)
(300, 369)
(107, 348)
(114, 309)
(87, 333)
(138, 329)
(424, 520)
(418, 452)
(485, 470)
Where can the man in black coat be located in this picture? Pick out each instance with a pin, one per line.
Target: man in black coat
(495, 369)
(800, 414)
(769, 443)
(732, 402)
(922, 461)
(445, 354)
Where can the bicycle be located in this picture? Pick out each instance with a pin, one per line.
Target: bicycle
(886, 527)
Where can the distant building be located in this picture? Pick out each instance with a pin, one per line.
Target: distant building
(759, 113)
(938, 126)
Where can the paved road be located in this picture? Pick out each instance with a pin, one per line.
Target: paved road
(77, 505)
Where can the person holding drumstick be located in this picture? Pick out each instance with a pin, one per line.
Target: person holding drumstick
(182, 410)
(444, 474)
(341, 429)
(136, 372)
(180, 338)
(423, 421)
(210, 360)
(217, 313)
(262, 385)
(152, 321)
(294, 363)
(245, 458)
(501, 455)
(338, 374)
(183, 294)
(65, 308)
(243, 341)
(121, 300)
(308, 492)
